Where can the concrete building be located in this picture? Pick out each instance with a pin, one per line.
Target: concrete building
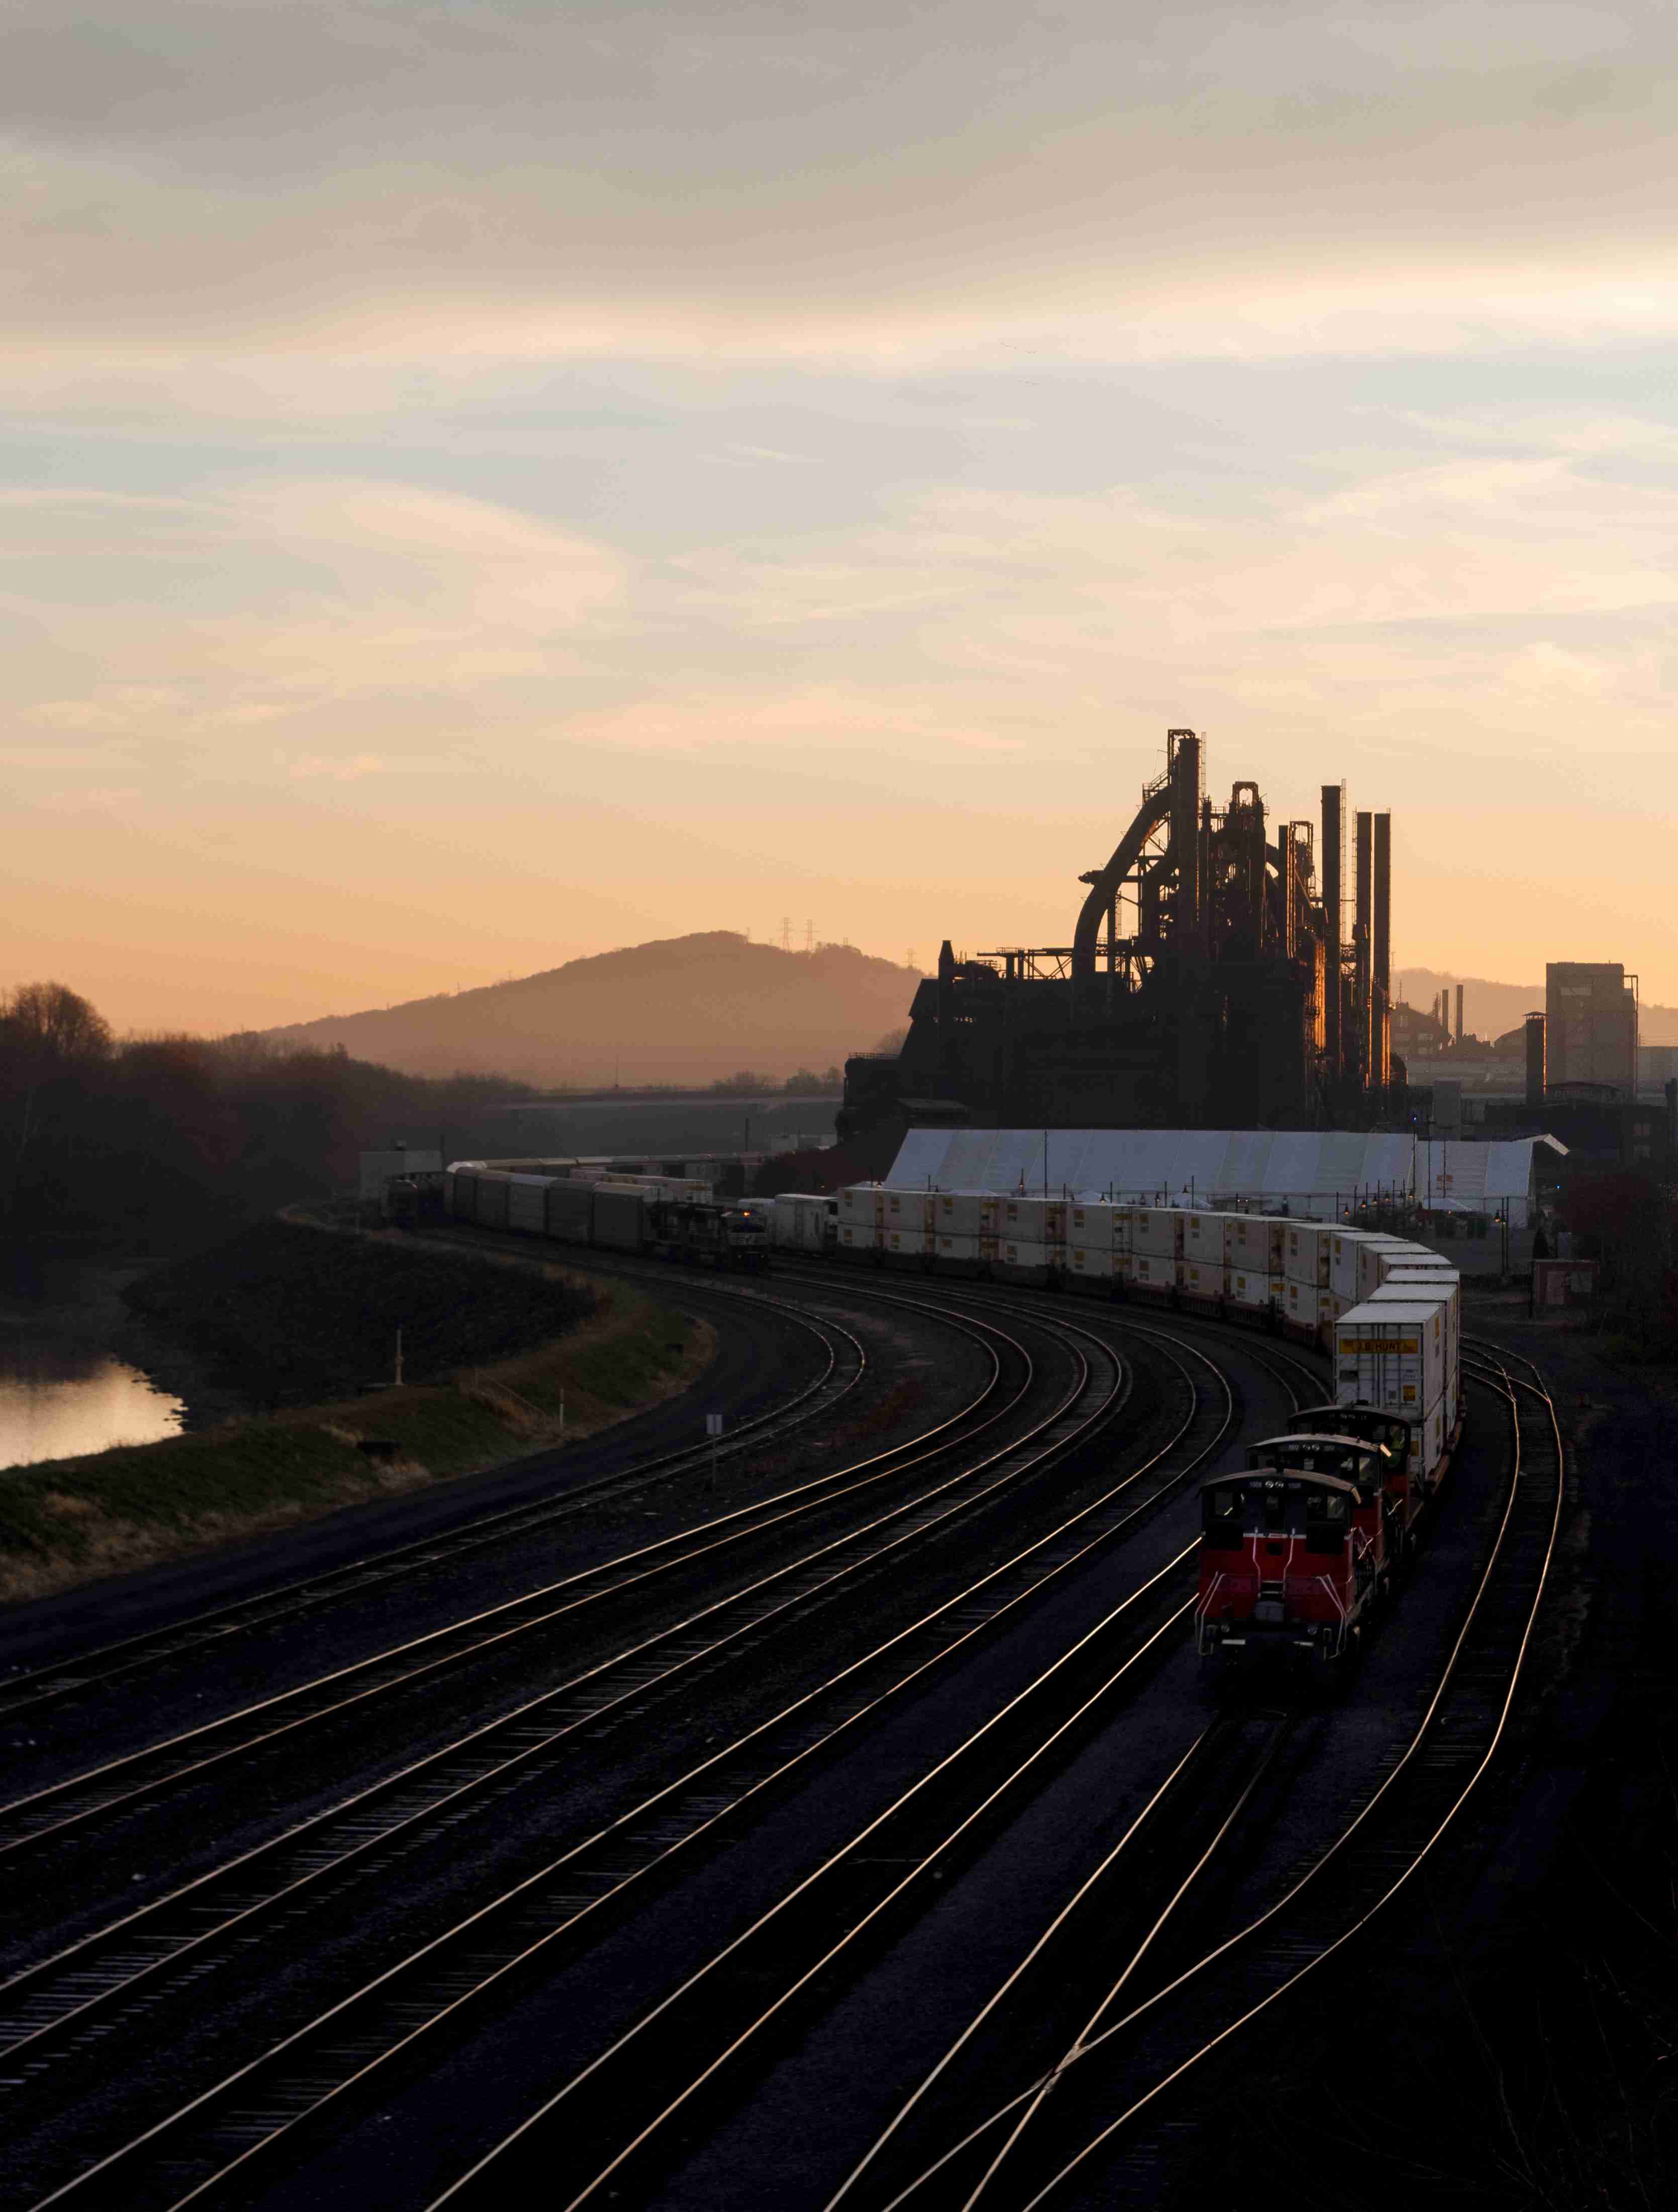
(1592, 1025)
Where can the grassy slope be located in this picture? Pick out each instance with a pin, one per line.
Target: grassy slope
(68, 1521)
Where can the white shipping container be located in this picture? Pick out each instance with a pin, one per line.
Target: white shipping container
(1123, 1267)
(1090, 1223)
(956, 1247)
(801, 1220)
(1152, 1271)
(909, 1209)
(1374, 1255)
(1016, 1255)
(1392, 1355)
(907, 1243)
(1093, 1260)
(1254, 1244)
(1125, 1229)
(1201, 1279)
(861, 1201)
(1250, 1287)
(1306, 1246)
(1032, 1220)
(858, 1237)
(1157, 1230)
(1204, 1235)
(1448, 1296)
(1343, 1248)
(959, 1213)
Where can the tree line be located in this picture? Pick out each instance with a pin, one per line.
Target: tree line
(162, 1140)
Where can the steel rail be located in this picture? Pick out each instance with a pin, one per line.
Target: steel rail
(859, 1917)
(22, 1690)
(484, 1761)
(600, 1869)
(70, 1802)
(1451, 1792)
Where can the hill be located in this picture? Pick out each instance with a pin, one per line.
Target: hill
(1490, 1009)
(679, 1010)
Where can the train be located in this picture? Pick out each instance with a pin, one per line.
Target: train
(651, 1215)
(1300, 1550)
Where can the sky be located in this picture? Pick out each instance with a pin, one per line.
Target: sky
(481, 483)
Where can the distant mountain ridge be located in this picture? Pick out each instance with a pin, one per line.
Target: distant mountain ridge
(677, 1010)
(1490, 1009)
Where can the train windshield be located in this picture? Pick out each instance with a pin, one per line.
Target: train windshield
(1349, 1462)
(1233, 1514)
(1364, 1421)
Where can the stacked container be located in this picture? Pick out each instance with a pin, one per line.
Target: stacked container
(862, 1203)
(1394, 1351)
(1306, 1246)
(1344, 1245)
(1413, 1285)
(1089, 1241)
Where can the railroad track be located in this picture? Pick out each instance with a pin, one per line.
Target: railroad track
(207, 2137)
(1079, 2132)
(52, 1812)
(844, 1363)
(675, 2061)
(50, 2006)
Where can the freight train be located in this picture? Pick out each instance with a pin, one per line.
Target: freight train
(644, 1214)
(1299, 1550)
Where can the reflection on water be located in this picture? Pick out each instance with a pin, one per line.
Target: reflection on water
(62, 1391)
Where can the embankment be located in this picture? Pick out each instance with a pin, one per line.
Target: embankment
(538, 1355)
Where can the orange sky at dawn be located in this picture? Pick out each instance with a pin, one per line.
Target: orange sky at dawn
(482, 487)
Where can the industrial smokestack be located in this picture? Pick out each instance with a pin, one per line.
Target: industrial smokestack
(1537, 1072)
(1459, 1013)
(1334, 856)
(1382, 939)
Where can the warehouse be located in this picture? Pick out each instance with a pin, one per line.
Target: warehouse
(1319, 1176)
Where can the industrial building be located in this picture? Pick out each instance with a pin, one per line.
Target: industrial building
(1314, 1176)
(1218, 973)
(1591, 1008)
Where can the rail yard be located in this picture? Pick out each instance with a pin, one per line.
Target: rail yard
(843, 1818)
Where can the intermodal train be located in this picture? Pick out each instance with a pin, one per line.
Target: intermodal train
(1301, 1548)
(625, 1214)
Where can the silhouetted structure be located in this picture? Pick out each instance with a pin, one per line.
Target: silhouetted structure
(1207, 984)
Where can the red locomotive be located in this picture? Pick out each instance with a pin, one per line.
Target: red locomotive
(1397, 1440)
(1295, 1551)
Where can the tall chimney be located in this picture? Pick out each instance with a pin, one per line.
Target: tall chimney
(1334, 856)
(1360, 939)
(1536, 1073)
(1382, 940)
(1459, 1013)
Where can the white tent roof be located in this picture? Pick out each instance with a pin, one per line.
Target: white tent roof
(1307, 1172)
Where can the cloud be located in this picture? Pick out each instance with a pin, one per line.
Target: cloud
(193, 187)
(352, 770)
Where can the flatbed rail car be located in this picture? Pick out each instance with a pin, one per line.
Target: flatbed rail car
(705, 1231)
(1294, 1557)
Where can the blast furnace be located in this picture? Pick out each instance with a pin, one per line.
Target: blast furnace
(1212, 982)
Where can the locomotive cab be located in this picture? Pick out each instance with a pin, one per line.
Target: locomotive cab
(1292, 1551)
(1399, 1439)
(746, 1236)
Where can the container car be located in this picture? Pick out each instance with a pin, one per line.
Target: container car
(618, 1217)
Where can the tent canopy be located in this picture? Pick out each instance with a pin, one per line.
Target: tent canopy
(1317, 1175)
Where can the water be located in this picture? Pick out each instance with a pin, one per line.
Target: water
(63, 1388)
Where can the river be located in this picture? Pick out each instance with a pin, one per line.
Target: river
(64, 1387)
